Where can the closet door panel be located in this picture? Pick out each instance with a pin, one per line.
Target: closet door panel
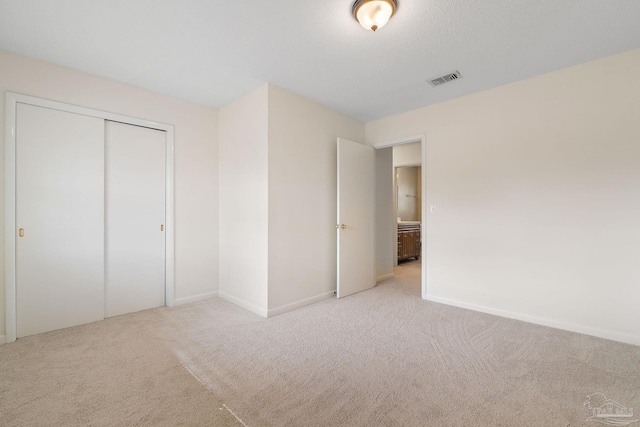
(135, 218)
(60, 208)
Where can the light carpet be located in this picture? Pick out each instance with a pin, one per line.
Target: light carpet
(383, 357)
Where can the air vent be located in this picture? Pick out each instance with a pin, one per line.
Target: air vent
(445, 79)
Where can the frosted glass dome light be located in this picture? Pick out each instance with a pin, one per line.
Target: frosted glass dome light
(373, 14)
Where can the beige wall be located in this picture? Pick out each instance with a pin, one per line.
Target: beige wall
(302, 197)
(386, 237)
(408, 179)
(243, 151)
(196, 183)
(407, 154)
(537, 187)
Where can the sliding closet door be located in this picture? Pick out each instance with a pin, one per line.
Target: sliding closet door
(135, 218)
(60, 219)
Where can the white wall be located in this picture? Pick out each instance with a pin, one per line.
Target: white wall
(386, 240)
(537, 187)
(243, 151)
(196, 163)
(302, 198)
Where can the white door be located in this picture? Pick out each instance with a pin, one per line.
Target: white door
(356, 247)
(135, 218)
(59, 219)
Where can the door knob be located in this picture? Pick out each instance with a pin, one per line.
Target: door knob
(343, 226)
(21, 232)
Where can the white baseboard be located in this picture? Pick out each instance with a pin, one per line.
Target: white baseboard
(195, 298)
(3, 339)
(385, 277)
(244, 304)
(298, 304)
(581, 329)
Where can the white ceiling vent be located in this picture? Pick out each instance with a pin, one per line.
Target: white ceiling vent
(445, 79)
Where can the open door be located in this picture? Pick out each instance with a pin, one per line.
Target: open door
(356, 245)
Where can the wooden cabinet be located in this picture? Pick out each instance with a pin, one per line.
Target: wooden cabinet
(409, 244)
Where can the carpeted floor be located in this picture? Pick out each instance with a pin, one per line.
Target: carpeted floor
(382, 357)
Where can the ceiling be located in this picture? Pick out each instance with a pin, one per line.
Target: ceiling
(212, 52)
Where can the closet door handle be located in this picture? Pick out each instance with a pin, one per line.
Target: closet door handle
(21, 232)
(161, 227)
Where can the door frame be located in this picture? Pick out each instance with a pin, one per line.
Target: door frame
(424, 223)
(11, 103)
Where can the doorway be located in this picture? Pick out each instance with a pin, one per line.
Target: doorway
(402, 252)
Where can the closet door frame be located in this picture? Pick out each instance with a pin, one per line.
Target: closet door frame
(12, 101)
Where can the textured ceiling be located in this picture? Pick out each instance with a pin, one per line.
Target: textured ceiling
(212, 52)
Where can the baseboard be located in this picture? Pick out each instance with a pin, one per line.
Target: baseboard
(195, 298)
(3, 339)
(244, 304)
(383, 278)
(581, 329)
(299, 304)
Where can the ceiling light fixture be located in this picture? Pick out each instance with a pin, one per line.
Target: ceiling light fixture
(373, 14)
